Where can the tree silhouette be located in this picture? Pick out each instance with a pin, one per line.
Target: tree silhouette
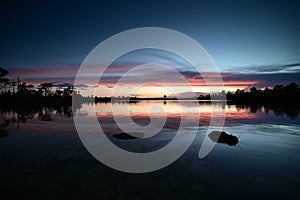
(58, 93)
(279, 94)
(253, 90)
(3, 72)
(13, 84)
(68, 91)
(3, 81)
(45, 89)
(292, 87)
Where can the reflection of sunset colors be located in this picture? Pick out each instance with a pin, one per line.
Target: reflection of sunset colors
(140, 111)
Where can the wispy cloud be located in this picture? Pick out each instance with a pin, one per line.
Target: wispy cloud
(266, 69)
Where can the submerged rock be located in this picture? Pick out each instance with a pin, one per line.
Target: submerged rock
(125, 136)
(224, 138)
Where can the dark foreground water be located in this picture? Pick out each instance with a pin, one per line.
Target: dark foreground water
(42, 157)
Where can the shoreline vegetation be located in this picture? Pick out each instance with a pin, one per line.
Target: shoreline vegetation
(18, 93)
(20, 101)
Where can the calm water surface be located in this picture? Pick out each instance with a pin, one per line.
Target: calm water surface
(42, 157)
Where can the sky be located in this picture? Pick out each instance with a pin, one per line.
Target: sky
(253, 43)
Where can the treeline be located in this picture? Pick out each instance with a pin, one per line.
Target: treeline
(18, 92)
(24, 94)
(278, 94)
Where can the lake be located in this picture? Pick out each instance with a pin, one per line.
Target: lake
(42, 156)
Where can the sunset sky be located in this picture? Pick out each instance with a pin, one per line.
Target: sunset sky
(253, 43)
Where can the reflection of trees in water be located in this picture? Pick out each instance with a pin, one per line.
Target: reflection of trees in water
(64, 110)
(19, 115)
(3, 124)
(290, 110)
(45, 114)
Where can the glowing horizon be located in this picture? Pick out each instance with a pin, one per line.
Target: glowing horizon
(59, 78)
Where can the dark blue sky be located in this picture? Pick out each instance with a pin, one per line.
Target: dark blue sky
(239, 35)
